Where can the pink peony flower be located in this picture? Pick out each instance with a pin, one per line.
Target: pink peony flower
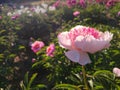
(76, 13)
(50, 50)
(82, 40)
(71, 2)
(82, 3)
(116, 71)
(33, 60)
(36, 46)
(0, 17)
(57, 3)
(32, 9)
(15, 16)
(110, 3)
(118, 13)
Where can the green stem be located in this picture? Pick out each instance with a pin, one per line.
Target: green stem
(84, 77)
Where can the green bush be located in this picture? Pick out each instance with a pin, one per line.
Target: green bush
(16, 36)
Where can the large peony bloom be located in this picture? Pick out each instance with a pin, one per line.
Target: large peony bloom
(82, 40)
(36, 46)
(116, 71)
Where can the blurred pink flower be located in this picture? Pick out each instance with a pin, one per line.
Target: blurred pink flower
(0, 17)
(76, 13)
(36, 46)
(32, 9)
(57, 3)
(90, 1)
(15, 16)
(50, 50)
(33, 60)
(82, 3)
(110, 3)
(118, 13)
(82, 40)
(116, 71)
(71, 2)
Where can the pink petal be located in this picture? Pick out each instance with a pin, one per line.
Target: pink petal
(73, 55)
(107, 36)
(90, 44)
(76, 13)
(81, 57)
(64, 40)
(116, 71)
(84, 58)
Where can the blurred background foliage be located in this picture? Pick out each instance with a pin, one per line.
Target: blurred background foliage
(46, 72)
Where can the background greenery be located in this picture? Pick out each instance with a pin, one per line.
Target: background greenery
(56, 72)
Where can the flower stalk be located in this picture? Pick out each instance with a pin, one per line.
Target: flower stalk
(84, 78)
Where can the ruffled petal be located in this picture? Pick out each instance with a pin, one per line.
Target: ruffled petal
(84, 58)
(90, 44)
(107, 36)
(64, 40)
(80, 57)
(73, 55)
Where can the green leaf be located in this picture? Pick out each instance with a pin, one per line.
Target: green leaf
(2, 31)
(23, 86)
(1, 55)
(31, 80)
(66, 86)
(12, 55)
(38, 87)
(118, 87)
(105, 78)
(99, 88)
(41, 86)
(26, 79)
(91, 84)
(36, 64)
(21, 47)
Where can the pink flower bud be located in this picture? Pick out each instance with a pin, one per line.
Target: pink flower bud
(76, 13)
(33, 60)
(116, 71)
